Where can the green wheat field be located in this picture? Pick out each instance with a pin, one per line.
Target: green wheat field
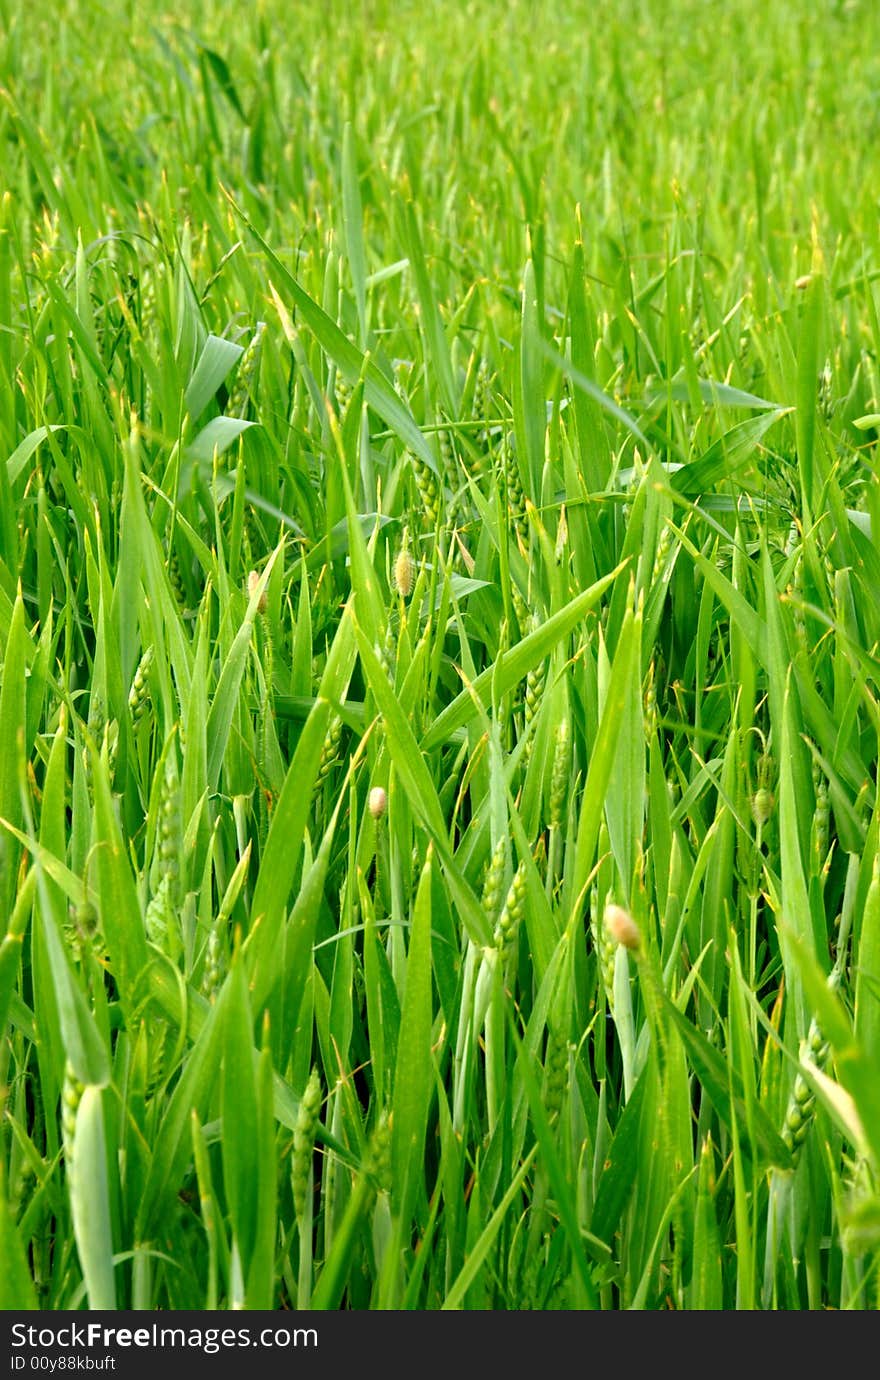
(440, 636)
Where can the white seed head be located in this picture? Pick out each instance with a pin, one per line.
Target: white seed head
(622, 927)
(762, 805)
(404, 573)
(253, 581)
(377, 802)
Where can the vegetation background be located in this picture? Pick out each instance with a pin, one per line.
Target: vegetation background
(439, 590)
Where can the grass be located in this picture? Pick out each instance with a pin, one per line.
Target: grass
(480, 405)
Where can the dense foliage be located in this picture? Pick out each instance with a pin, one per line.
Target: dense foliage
(439, 614)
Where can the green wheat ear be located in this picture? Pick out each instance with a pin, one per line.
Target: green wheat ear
(512, 913)
(304, 1142)
(556, 1074)
(428, 489)
(139, 695)
(244, 385)
(559, 781)
(494, 880)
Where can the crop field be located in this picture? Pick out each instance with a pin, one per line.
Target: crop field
(440, 639)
